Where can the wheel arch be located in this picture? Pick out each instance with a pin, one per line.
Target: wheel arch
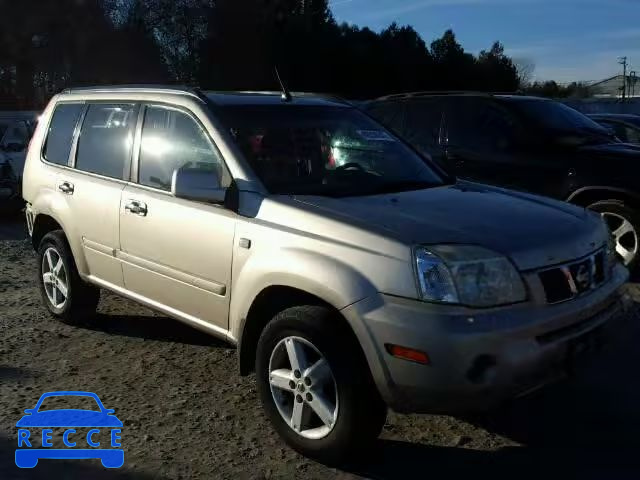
(52, 213)
(586, 196)
(270, 301)
(42, 225)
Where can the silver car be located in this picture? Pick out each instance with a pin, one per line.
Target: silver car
(352, 274)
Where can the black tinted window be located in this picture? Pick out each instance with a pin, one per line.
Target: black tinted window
(481, 126)
(63, 123)
(422, 130)
(104, 146)
(171, 140)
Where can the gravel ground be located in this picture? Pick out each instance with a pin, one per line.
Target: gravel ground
(187, 414)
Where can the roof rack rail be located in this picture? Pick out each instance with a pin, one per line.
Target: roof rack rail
(433, 93)
(326, 96)
(137, 88)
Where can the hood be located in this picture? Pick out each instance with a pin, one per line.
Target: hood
(621, 150)
(533, 231)
(69, 418)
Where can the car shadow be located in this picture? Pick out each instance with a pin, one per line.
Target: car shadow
(149, 327)
(391, 459)
(50, 469)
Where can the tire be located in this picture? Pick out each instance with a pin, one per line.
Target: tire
(615, 213)
(81, 299)
(359, 411)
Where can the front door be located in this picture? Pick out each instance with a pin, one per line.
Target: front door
(176, 253)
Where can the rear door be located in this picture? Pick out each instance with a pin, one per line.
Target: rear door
(102, 165)
(91, 188)
(175, 252)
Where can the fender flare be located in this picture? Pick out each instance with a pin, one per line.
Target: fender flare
(337, 284)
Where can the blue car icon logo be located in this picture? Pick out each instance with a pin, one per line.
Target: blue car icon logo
(32, 447)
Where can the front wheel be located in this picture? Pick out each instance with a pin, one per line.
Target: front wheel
(624, 224)
(315, 385)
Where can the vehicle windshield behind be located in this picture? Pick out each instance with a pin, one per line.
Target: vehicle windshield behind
(66, 402)
(317, 150)
(560, 118)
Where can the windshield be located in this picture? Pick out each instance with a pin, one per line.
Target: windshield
(557, 116)
(319, 150)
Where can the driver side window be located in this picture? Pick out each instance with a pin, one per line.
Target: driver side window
(171, 139)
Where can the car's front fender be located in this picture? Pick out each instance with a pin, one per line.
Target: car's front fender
(314, 273)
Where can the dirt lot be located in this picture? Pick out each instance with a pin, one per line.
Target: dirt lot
(187, 414)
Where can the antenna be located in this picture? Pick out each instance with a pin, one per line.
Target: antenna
(286, 96)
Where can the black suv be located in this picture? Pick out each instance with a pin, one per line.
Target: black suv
(525, 143)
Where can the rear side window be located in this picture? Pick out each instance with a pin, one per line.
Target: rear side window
(424, 119)
(171, 140)
(106, 138)
(60, 135)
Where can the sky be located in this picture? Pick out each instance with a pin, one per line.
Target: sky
(566, 40)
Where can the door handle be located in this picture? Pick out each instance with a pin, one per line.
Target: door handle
(136, 207)
(66, 187)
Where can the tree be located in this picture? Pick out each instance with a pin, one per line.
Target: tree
(496, 71)
(524, 68)
(455, 67)
(226, 44)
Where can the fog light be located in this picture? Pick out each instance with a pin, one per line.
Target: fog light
(406, 353)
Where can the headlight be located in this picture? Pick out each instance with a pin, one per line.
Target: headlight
(467, 275)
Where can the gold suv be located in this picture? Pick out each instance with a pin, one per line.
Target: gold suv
(351, 272)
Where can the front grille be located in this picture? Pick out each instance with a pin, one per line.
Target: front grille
(573, 279)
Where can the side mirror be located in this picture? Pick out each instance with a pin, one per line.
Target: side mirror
(198, 185)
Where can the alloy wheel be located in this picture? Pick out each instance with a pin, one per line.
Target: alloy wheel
(303, 387)
(55, 278)
(624, 234)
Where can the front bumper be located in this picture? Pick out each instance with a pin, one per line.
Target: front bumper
(479, 358)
